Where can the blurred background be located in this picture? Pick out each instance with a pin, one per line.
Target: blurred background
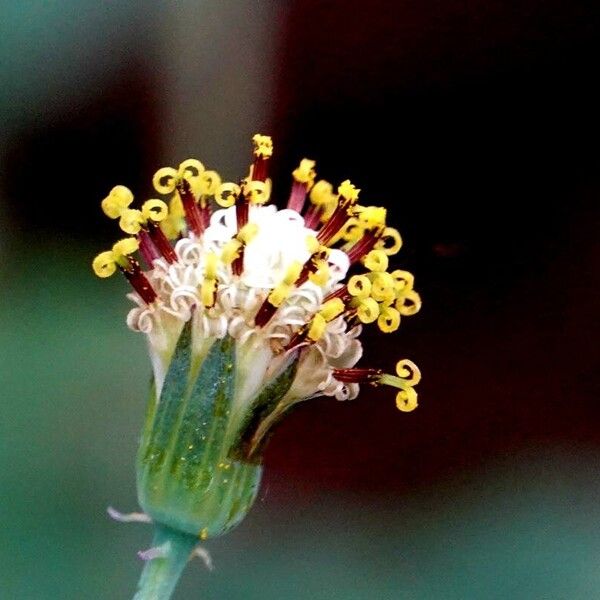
(476, 123)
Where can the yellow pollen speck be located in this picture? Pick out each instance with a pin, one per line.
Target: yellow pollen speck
(204, 534)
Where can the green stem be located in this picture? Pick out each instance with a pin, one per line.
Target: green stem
(160, 575)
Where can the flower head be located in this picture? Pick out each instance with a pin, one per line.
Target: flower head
(256, 307)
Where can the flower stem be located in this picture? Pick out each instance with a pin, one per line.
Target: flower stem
(160, 575)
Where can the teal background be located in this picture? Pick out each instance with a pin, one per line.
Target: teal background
(490, 489)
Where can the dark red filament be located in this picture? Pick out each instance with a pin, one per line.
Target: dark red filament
(138, 281)
(192, 212)
(260, 168)
(297, 196)
(312, 218)
(357, 375)
(335, 222)
(162, 243)
(265, 313)
(363, 246)
(147, 248)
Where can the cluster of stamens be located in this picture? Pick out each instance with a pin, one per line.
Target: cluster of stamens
(219, 253)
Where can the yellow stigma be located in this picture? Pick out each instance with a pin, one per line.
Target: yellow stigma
(408, 303)
(403, 280)
(359, 286)
(226, 194)
(125, 247)
(322, 194)
(155, 210)
(257, 192)
(367, 310)
(165, 179)
(209, 183)
(117, 201)
(263, 145)
(408, 371)
(210, 266)
(390, 241)
(209, 285)
(348, 191)
(382, 287)
(406, 400)
(131, 221)
(389, 319)
(371, 217)
(305, 172)
(376, 260)
(104, 264)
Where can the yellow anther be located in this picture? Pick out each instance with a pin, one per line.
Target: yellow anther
(322, 194)
(247, 233)
(305, 172)
(227, 194)
(155, 210)
(403, 280)
(408, 371)
(293, 272)
(332, 309)
(317, 328)
(389, 319)
(117, 200)
(208, 183)
(210, 265)
(321, 276)
(409, 303)
(207, 292)
(279, 294)
(131, 221)
(359, 286)
(104, 264)
(164, 180)
(174, 224)
(376, 260)
(125, 247)
(263, 145)
(390, 241)
(257, 192)
(231, 250)
(312, 243)
(348, 191)
(406, 400)
(371, 217)
(368, 310)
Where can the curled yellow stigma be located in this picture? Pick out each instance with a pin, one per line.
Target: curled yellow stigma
(118, 199)
(155, 210)
(367, 309)
(104, 265)
(359, 286)
(257, 192)
(305, 172)
(376, 260)
(388, 319)
(407, 376)
(263, 145)
(226, 194)
(208, 183)
(390, 241)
